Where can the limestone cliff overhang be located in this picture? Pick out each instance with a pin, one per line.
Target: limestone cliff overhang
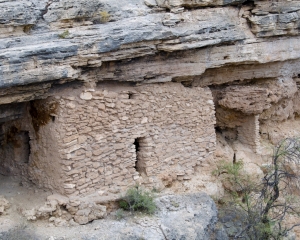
(153, 41)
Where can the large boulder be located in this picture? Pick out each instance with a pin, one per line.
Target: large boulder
(190, 216)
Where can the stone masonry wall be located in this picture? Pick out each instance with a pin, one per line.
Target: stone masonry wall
(45, 160)
(116, 136)
(248, 133)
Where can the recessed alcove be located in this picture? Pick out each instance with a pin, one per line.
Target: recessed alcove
(14, 141)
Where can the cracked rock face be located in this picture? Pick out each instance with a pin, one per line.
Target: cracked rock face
(187, 217)
(275, 18)
(139, 41)
(259, 97)
(197, 3)
(190, 216)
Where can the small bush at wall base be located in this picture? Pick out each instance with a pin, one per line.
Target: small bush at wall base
(120, 214)
(137, 199)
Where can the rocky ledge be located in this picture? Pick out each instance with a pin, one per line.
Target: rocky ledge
(48, 42)
(191, 216)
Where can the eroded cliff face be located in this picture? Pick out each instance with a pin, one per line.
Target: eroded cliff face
(99, 95)
(56, 41)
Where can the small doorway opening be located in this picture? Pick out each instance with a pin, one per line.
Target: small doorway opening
(15, 152)
(139, 165)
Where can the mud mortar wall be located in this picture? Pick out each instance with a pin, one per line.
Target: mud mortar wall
(110, 138)
(44, 166)
(248, 133)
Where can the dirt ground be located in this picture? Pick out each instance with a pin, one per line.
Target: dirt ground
(14, 226)
(25, 196)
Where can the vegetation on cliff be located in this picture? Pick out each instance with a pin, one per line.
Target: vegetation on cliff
(137, 199)
(266, 202)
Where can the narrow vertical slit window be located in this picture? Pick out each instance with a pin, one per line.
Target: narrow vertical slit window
(27, 147)
(139, 164)
(137, 149)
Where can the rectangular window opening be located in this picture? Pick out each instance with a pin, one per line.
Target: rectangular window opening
(139, 165)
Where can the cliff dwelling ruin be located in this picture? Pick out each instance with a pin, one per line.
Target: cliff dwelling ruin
(97, 96)
(79, 141)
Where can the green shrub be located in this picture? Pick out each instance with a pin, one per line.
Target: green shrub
(104, 16)
(27, 28)
(120, 214)
(265, 202)
(137, 199)
(64, 35)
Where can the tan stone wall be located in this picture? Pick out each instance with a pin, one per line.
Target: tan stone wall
(45, 169)
(96, 133)
(248, 133)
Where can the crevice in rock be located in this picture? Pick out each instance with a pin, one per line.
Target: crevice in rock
(114, 83)
(24, 136)
(66, 84)
(186, 83)
(190, 8)
(162, 231)
(43, 12)
(248, 3)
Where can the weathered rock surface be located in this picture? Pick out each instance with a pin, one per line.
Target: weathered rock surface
(21, 13)
(187, 217)
(86, 46)
(63, 210)
(140, 41)
(178, 217)
(4, 205)
(275, 18)
(196, 3)
(259, 97)
(190, 216)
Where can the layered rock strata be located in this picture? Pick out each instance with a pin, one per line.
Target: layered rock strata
(98, 95)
